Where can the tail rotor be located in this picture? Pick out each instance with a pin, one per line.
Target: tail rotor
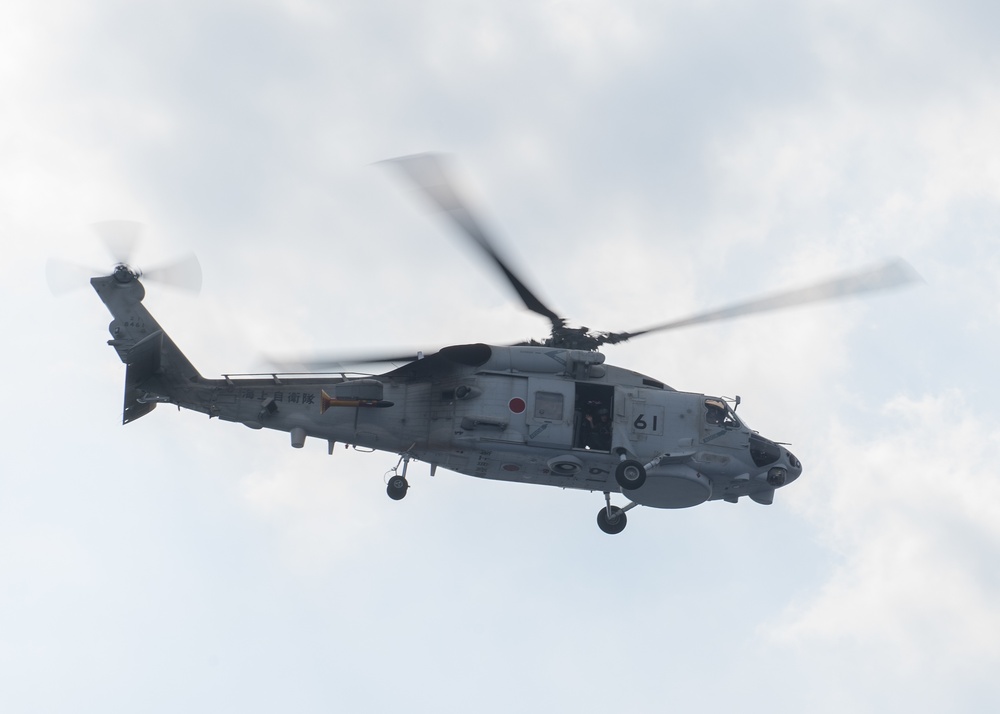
(121, 239)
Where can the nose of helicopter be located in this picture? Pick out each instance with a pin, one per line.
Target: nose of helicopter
(787, 469)
(794, 466)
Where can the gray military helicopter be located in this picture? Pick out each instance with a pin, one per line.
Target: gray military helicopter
(549, 412)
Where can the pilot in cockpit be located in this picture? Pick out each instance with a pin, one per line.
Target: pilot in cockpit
(718, 414)
(714, 414)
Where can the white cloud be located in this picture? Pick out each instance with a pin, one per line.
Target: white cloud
(644, 160)
(913, 509)
(320, 509)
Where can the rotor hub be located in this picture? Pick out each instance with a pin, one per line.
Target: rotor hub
(573, 338)
(124, 274)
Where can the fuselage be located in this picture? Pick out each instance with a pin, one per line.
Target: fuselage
(523, 414)
(531, 414)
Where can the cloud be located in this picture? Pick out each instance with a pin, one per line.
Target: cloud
(913, 511)
(645, 160)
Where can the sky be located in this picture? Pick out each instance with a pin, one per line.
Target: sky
(639, 161)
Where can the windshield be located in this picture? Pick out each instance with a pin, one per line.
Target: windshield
(718, 413)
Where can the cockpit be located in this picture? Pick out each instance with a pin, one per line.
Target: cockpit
(770, 465)
(718, 413)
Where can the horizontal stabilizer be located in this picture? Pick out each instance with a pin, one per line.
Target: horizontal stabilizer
(133, 408)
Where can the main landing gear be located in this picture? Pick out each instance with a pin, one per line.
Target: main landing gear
(631, 474)
(397, 485)
(612, 519)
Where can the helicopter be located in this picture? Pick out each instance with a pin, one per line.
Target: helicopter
(549, 412)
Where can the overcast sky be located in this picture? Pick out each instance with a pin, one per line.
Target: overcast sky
(641, 161)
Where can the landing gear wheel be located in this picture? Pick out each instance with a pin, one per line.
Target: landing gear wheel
(630, 474)
(614, 523)
(397, 488)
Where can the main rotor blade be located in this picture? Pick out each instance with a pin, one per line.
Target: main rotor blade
(184, 273)
(427, 172)
(120, 238)
(339, 363)
(893, 274)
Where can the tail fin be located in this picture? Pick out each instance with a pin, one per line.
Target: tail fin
(155, 368)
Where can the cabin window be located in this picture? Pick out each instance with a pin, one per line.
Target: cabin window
(549, 406)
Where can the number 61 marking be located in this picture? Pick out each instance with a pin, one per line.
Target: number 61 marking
(640, 422)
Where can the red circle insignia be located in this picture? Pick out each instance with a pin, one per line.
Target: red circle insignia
(517, 405)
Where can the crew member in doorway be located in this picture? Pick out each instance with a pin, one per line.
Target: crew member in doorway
(597, 430)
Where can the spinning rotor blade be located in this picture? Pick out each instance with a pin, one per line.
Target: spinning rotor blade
(184, 274)
(427, 172)
(339, 363)
(121, 238)
(890, 275)
(64, 277)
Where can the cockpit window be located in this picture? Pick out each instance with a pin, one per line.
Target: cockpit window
(763, 451)
(718, 413)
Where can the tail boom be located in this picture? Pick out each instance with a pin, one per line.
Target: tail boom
(156, 369)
